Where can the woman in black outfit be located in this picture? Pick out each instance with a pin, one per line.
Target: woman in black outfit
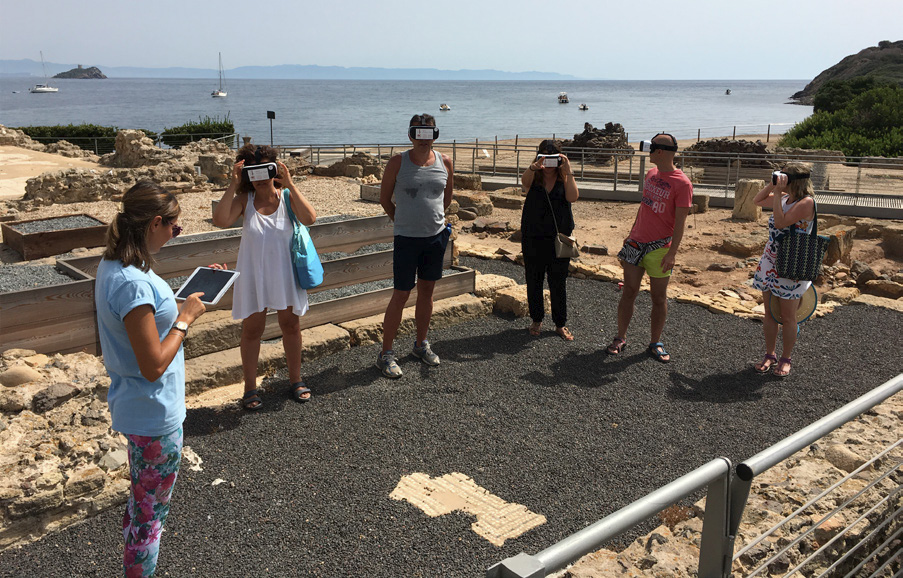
(550, 189)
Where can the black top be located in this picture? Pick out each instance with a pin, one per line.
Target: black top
(536, 218)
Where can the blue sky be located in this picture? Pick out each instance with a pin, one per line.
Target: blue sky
(705, 39)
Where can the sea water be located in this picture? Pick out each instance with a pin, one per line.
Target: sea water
(378, 111)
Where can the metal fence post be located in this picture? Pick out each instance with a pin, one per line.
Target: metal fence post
(768, 134)
(473, 156)
(379, 155)
(735, 132)
(495, 153)
(698, 134)
(727, 178)
(716, 549)
(96, 151)
(454, 152)
(517, 164)
(616, 174)
(642, 178)
(858, 176)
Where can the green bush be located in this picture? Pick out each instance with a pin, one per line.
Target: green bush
(870, 124)
(836, 94)
(91, 137)
(206, 127)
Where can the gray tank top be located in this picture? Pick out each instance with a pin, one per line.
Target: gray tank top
(419, 197)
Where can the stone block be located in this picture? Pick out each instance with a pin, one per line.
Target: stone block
(701, 203)
(892, 240)
(840, 244)
(19, 375)
(354, 171)
(883, 288)
(594, 249)
(468, 181)
(84, 481)
(35, 504)
(875, 301)
(467, 214)
(478, 202)
(843, 458)
(841, 294)
(114, 459)
(744, 207)
(53, 396)
(224, 367)
(488, 285)
(514, 300)
(213, 331)
(745, 245)
(504, 201)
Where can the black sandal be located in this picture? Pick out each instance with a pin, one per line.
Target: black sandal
(251, 401)
(299, 389)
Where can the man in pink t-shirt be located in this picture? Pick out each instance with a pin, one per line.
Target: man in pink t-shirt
(652, 244)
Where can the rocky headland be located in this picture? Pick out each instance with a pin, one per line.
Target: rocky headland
(80, 73)
(882, 62)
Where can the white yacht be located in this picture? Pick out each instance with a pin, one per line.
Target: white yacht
(563, 98)
(220, 93)
(42, 88)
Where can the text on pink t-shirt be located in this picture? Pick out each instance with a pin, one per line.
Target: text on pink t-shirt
(663, 193)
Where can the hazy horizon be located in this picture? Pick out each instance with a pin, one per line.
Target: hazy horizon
(589, 40)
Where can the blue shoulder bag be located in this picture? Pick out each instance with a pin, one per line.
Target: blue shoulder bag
(305, 261)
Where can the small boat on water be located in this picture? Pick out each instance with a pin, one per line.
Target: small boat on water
(563, 98)
(43, 88)
(220, 93)
(444, 106)
(727, 92)
(583, 107)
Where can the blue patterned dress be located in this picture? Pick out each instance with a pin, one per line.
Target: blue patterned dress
(766, 277)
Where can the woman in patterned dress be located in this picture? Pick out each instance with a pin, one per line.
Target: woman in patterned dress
(793, 209)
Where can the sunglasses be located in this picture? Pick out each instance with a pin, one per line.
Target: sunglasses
(176, 230)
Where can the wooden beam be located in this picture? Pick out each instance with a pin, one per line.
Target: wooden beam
(32, 307)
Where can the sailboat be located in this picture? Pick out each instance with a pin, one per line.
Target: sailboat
(220, 93)
(42, 88)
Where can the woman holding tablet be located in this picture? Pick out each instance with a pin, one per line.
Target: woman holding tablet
(141, 333)
(267, 279)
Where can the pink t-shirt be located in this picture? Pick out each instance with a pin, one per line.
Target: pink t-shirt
(663, 193)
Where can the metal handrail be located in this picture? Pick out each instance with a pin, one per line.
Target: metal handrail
(725, 501)
(592, 537)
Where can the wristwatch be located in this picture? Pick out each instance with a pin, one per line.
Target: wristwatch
(181, 326)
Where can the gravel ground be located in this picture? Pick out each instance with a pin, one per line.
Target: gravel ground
(20, 277)
(58, 224)
(558, 427)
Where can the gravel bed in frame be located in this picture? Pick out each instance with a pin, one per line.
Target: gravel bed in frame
(58, 224)
(22, 277)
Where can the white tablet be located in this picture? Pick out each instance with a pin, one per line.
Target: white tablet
(213, 283)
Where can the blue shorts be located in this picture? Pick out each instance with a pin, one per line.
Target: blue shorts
(418, 258)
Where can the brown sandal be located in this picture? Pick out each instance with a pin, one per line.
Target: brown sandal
(617, 346)
(534, 329)
(564, 333)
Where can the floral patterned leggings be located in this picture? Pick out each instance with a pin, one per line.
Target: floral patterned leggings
(153, 466)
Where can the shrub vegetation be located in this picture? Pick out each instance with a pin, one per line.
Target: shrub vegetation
(91, 137)
(206, 127)
(856, 119)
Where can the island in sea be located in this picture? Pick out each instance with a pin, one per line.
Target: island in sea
(80, 72)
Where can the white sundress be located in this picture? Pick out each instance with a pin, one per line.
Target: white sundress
(766, 277)
(267, 279)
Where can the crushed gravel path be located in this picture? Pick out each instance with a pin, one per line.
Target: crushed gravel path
(558, 427)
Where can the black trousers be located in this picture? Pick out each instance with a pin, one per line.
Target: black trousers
(540, 263)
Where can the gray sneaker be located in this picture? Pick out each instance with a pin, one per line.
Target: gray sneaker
(425, 353)
(386, 363)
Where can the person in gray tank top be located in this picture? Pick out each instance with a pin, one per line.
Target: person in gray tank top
(415, 192)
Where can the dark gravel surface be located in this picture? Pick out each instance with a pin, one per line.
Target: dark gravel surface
(58, 224)
(558, 427)
(21, 277)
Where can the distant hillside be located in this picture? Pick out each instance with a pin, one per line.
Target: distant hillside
(884, 62)
(81, 73)
(288, 71)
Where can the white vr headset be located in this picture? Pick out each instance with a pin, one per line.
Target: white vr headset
(423, 132)
(262, 172)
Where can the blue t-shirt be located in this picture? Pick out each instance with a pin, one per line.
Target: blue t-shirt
(138, 406)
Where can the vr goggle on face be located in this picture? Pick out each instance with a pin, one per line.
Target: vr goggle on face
(550, 161)
(790, 178)
(651, 147)
(262, 172)
(423, 132)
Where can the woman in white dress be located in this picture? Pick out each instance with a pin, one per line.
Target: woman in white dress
(267, 279)
(792, 200)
